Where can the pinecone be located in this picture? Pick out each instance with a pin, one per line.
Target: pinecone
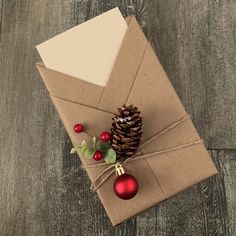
(126, 131)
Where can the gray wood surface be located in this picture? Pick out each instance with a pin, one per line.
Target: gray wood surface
(43, 191)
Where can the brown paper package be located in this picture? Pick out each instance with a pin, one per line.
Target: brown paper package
(137, 78)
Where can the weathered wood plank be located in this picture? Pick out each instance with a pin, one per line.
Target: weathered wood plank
(1, 17)
(43, 191)
(195, 41)
(227, 165)
(32, 138)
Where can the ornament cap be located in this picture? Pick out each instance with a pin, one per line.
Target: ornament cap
(119, 169)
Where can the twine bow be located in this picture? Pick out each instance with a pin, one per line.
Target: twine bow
(111, 168)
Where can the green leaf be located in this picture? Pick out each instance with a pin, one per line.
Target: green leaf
(89, 152)
(110, 156)
(94, 142)
(102, 146)
(73, 150)
(83, 150)
(94, 139)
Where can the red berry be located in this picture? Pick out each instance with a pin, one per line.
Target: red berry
(78, 128)
(105, 136)
(98, 155)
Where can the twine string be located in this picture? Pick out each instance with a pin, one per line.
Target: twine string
(95, 187)
(164, 151)
(172, 126)
(96, 183)
(111, 166)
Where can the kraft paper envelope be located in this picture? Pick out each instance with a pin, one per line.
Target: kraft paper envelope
(137, 78)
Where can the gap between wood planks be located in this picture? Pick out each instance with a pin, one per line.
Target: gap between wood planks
(221, 149)
(1, 18)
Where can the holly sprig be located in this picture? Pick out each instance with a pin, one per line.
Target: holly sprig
(97, 145)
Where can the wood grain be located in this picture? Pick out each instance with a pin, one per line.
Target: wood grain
(43, 190)
(195, 41)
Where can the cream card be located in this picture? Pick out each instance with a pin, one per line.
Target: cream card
(87, 51)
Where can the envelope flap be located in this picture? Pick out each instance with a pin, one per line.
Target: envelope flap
(125, 68)
(70, 88)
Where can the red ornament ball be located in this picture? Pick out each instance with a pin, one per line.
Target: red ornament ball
(125, 186)
(105, 136)
(78, 128)
(98, 155)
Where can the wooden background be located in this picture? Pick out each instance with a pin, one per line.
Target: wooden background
(43, 191)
